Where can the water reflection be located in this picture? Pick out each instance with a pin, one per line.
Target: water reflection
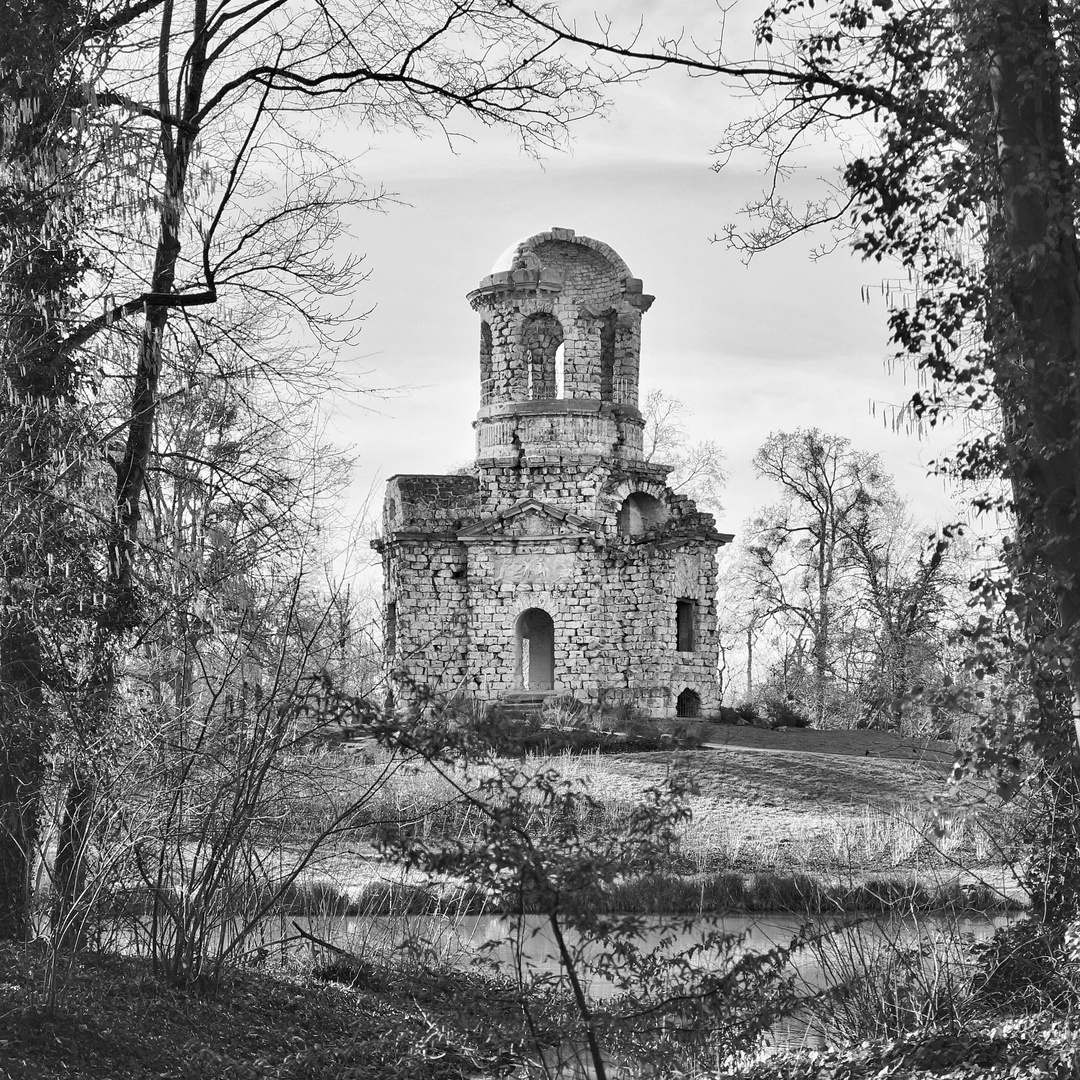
(524, 945)
(524, 948)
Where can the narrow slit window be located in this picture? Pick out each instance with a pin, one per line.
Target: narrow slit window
(607, 357)
(684, 625)
(391, 628)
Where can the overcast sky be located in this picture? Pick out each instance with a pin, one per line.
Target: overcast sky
(781, 343)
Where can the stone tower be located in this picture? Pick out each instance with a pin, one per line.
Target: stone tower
(562, 564)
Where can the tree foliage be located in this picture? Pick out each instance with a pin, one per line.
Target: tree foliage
(959, 123)
(50, 584)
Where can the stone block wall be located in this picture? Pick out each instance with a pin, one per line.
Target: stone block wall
(425, 593)
(613, 606)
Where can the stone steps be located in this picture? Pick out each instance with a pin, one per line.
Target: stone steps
(523, 704)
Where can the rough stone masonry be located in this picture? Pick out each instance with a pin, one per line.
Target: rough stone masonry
(561, 563)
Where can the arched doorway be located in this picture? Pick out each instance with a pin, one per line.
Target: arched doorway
(535, 636)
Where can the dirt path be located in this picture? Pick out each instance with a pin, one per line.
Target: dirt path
(793, 779)
(872, 744)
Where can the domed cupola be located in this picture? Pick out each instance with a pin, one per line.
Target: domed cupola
(560, 340)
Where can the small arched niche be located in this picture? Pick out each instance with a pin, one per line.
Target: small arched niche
(541, 336)
(639, 513)
(688, 704)
(534, 640)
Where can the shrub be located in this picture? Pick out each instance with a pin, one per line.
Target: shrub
(563, 712)
(1030, 966)
(887, 980)
(781, 712)
(747, 711)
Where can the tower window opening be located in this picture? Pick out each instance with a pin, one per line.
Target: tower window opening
(541, 336)
(560, 370)
(688, 704)
(684, 625)
(485, 363)
(607, 357)
(391, 628)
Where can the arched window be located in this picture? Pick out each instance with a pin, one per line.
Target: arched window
(639, 513)
(688, 704)
(541, 336)
(534, 634)
(607, 356)
(560, 370)
(485, 363)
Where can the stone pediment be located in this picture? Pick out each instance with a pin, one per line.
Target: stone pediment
(531, 519)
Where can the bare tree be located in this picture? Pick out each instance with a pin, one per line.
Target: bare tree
(801, 547)
(697, 468)
(199, 140)
(914, 589)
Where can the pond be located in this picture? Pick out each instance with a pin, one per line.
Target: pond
(524, 945)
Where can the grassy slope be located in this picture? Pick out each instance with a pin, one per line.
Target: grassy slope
(845, 807)
(839, 804)
(113, 1021)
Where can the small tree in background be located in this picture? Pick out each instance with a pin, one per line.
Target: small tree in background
(801, 555)
(857, 608)
(697, 468)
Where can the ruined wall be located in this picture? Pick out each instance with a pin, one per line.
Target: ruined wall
(425, 592)
(580, 286)
(613, 607)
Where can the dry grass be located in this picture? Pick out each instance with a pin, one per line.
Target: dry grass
(761, 810)
(114, 1020)
(804, 811)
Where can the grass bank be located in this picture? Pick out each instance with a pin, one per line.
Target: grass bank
(719, 892)
(111, 1019)
(796, 821)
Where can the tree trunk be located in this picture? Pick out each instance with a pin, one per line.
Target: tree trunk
(1036, 321)
(749, 663)
(822, 630)
(125, 603)
(22, 773)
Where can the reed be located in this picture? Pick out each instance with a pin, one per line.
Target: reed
(887, 980)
